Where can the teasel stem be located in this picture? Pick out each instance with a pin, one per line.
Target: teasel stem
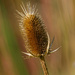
(44, 66)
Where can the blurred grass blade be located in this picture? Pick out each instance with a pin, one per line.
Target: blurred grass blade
(12, 44)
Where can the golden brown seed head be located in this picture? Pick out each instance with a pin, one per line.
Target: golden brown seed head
(34, 34)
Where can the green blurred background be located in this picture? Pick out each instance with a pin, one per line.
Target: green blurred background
(59, 18)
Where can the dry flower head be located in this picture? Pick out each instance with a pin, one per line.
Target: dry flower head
(34, 32)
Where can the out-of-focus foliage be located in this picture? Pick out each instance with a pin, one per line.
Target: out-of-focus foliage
(59, 18)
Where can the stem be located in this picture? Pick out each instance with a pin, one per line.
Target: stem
(44, 66)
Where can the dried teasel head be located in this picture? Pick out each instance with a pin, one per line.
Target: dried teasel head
(33, 31)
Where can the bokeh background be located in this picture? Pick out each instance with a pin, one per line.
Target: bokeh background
(59, 18)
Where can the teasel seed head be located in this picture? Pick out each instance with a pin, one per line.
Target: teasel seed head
(33, 31)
